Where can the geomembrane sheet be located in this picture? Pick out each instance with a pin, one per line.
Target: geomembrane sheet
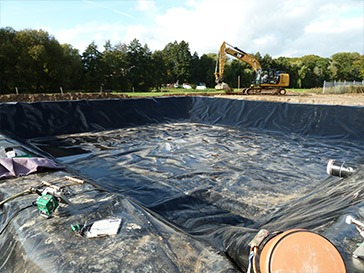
(206, 179)
(219, 180)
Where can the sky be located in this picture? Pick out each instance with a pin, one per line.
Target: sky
(288, 28)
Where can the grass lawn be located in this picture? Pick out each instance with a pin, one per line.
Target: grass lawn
(173, 91)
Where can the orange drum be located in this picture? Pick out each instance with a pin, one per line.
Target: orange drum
(298, 251)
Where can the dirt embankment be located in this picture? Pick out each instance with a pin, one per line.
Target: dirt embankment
(291, 97)
(351, 99)
(58, 96)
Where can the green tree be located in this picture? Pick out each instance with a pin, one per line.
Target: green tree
(313, 71)
(321, 71)
(347, 66)
(178, 59)
(38, 62)
(34, 61)
(93, 68)
(195, 69)
(29, 66)
(8, 60)
(56, 66)
(206, 69)
(359, 66)
(159, 70)
(37, 68)
(236, 69)
(71, 76)
(140, 67)
(267, 61)
(115, 64)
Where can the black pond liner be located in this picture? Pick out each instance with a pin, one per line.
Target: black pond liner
(216, 170)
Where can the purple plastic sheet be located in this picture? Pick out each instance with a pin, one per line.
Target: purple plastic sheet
(20, 166)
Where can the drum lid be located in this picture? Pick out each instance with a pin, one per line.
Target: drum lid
(300, 251)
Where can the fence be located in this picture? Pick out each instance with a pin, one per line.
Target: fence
(339, 87)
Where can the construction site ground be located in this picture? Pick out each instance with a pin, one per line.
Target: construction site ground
(308, 98)
(353, 99)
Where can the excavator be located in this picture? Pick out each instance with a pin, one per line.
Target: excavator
(266, 81)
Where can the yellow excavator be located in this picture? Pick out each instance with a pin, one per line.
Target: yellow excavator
(266, 81)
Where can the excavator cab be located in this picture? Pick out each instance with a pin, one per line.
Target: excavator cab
(269, 81)
(271, 76)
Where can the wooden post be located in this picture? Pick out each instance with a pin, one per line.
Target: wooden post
(16, 90)
(61, 90)
(323, 89)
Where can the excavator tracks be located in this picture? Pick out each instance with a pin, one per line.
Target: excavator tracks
(264, 91)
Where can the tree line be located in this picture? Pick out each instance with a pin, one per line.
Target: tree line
(34, 61)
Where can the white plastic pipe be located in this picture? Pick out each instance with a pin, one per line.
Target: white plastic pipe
(351, 220)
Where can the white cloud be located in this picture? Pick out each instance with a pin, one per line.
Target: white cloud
(334, 26)
(80, 36)
(276, 28)
(283, 28)
(146, 5)
(138, 32)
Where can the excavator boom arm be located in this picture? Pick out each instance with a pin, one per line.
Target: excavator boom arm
(220, 63)
(225, 49)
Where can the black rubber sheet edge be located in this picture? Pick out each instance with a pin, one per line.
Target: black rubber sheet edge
(41, 119)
